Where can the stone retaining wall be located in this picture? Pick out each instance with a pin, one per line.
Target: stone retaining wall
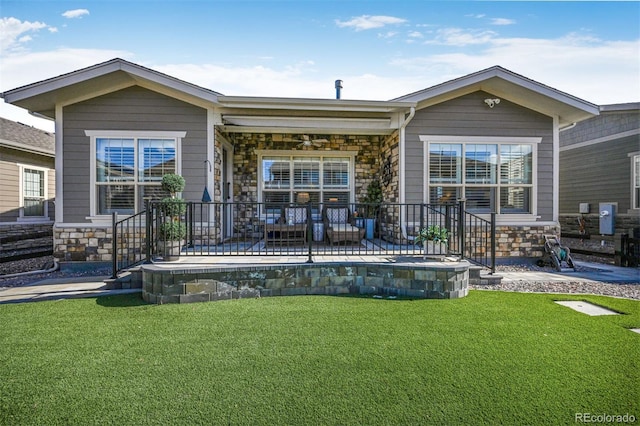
(23, 237)
(437, 280)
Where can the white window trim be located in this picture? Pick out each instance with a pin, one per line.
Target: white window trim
(291, 153)
(500, 140)
(134, 134)
(632, 156)
(22, 217)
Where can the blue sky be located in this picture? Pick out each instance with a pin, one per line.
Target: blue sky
(380, 49)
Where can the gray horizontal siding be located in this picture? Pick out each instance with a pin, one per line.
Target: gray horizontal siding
(9, 184)
(606, 124)
(597, 173)
(469, 116)
(132, 109)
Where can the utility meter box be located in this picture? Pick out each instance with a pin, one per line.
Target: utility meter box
(584, 207)
(607, 218)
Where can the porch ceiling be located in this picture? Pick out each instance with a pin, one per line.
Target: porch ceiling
(322, 125)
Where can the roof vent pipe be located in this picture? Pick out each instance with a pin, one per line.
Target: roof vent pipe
(338, 87)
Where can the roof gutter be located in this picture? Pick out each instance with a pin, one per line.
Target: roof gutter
(38, 115)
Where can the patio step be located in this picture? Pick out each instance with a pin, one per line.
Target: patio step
(478, 276)
(128, 280)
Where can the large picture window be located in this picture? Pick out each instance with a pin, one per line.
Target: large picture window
(127, 170)
(322, 177)
(492, 174)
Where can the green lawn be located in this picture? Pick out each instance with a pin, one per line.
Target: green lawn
(488, 358)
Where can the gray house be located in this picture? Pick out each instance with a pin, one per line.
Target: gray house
(492, 138)
(600, 165)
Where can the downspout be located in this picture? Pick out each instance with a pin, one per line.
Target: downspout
(401, 166)
(556, 171)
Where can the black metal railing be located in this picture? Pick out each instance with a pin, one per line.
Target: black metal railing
(130, 243)
(310, 229)
(629, 251)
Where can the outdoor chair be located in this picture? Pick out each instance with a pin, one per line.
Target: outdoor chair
(339, 226)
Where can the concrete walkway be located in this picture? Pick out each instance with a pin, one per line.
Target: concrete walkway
(63, 288)
(66, 288)
(587, 272)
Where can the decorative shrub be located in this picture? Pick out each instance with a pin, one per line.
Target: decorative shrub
(172, 231)
(173, 206)
(433, 233)
(372, 199)
(173, 183)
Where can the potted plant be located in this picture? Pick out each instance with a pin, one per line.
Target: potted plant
(372, 205)
(434, 239)
(173, 230)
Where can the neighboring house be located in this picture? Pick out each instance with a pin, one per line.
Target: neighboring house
(600, 164)
(27, 186)
(27, 178)
(491, 137)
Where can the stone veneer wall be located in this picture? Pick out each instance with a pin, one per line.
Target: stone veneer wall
(440, 281)
(389, 152)
(522, 241)
(82, 244)
(245, 159)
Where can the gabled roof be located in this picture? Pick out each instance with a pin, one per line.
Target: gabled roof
(516, 88)
(251, 112)
(26, 138)
(115, 74)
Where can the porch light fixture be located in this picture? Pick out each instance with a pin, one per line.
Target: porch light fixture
(492, 102)
(303, 197)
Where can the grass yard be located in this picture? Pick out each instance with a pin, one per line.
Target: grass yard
(490, 358)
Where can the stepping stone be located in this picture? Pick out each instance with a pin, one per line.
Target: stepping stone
(586, 307)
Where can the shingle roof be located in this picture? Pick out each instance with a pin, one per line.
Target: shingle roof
(26, 138)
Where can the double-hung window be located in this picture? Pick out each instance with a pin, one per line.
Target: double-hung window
(127, 168)
(492, 174)
(319, 177)
(34, 184)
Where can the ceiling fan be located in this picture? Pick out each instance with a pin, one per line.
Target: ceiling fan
(311, 142)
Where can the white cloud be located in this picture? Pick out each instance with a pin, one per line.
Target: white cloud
(415, 34)
(388, 34)
(502, 21)
(13, 33)
(598, 71)
(460, 37)
(367, 22)
(75, 13)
